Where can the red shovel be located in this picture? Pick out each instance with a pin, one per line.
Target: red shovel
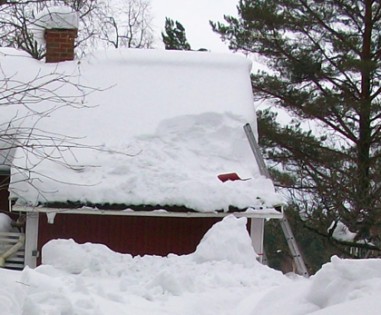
(230, 176)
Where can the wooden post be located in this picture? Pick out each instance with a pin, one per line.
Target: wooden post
(31, 239)
(257, 228)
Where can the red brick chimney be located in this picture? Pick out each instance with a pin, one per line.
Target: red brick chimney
(59, 28)
(60, 44)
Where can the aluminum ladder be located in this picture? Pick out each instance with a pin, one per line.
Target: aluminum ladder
(286, 228)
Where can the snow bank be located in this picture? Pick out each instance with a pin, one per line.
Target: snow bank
(227, 240)
(5, 223)
(342, 281)
(75, 258)
(91, 275)
(47, 293)
(343, 286)
(89, 279)
(12, 292)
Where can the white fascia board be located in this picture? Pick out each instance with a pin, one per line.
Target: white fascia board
(268, 213)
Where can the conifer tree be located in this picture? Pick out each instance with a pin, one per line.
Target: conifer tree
(174, 37)
(324, 62)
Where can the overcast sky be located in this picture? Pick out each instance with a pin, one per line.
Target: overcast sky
(194, 15)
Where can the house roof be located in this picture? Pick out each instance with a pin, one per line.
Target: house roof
(142, 127)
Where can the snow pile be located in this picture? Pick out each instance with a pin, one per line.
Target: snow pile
(74, 258)
(5, 223)
(228, 240)
(346, 281)
(89, 279)
(349, 287)
(11, 293)
(178, 165)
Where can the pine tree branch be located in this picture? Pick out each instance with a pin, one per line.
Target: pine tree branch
(325, 26)
(342, 243)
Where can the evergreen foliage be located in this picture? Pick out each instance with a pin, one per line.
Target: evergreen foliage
(324, 72)
(315, 249)
(174, 37)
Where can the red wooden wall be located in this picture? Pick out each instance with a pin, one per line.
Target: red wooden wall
(4, 183)
(125, 234)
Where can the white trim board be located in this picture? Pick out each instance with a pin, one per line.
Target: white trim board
(268, 213)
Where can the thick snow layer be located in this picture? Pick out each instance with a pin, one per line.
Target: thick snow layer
(5, 223)
(341, 232)
(61, 17)
(55, 17)
(155, 127)
(90, 279)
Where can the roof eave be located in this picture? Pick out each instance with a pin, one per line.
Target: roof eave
(266, 213)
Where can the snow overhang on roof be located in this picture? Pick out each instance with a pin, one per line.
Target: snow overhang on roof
(57, 17)
(6, 153)
(156, 128)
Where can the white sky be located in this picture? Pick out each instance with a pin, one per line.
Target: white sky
(194, 15)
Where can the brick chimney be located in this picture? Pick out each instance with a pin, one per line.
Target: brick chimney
(59, 29)
(60, 44)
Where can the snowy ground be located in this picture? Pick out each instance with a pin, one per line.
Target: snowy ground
(221, 277)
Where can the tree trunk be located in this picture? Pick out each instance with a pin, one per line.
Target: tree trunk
(363, 146)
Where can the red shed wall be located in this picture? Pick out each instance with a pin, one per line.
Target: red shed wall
(125, 234)
(4, 183)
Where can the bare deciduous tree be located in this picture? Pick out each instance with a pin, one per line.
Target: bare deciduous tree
(23, 104)
(130, 27)
(100, 24)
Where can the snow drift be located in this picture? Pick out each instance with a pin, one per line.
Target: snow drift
(88, 279)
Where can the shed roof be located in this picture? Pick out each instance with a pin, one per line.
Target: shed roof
(152, 128)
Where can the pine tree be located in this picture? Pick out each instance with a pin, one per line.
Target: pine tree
(174, 37)
(324, 71)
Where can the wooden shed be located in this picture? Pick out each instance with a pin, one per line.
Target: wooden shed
(140, 160)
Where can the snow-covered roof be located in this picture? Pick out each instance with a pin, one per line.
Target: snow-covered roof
(156, 128)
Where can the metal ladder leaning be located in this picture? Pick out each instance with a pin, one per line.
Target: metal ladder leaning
(286, 228)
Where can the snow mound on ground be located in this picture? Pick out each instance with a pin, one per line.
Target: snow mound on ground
(345, 280)
(88, 269)
(343, 286)
(5, 223)
(91, 279)
(227, 240)
(11, 292)
(75, 258)
(46, 293)
(109, 283)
